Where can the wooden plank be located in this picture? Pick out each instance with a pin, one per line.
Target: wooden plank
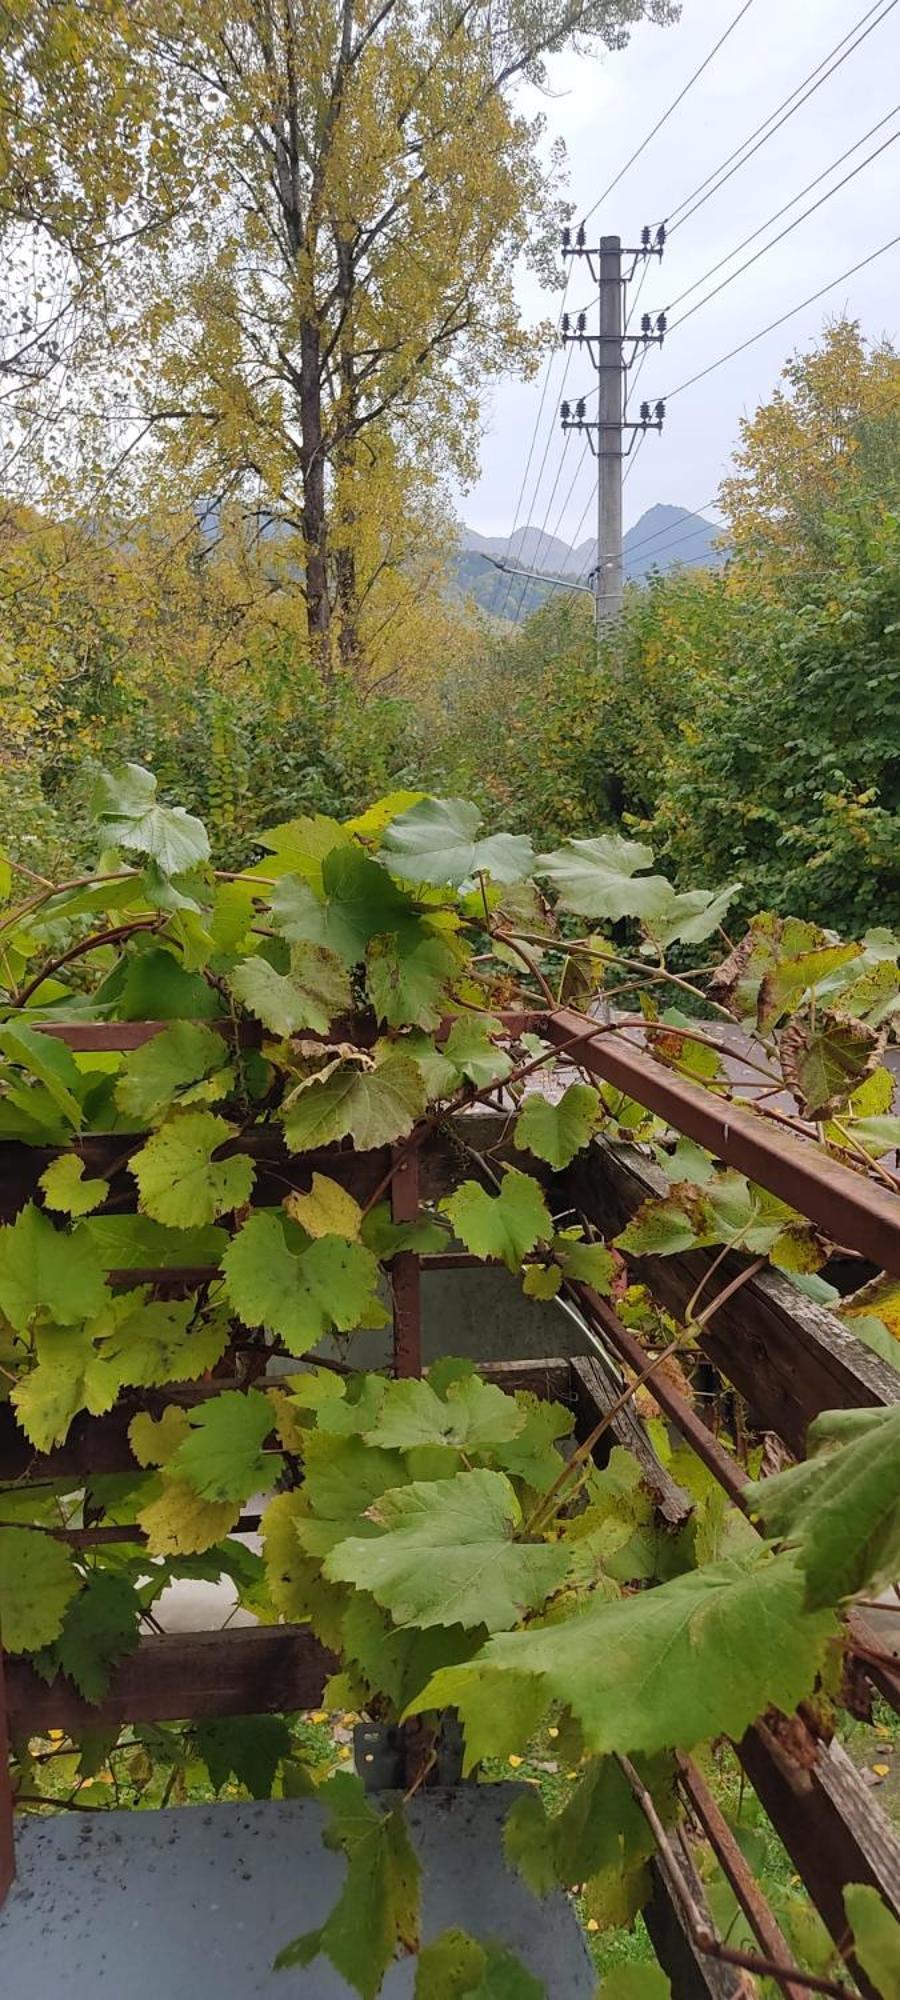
(595, 1392)
(833, 1828)
(182, 1676)
(849, 1207)
(770, 1938)
(693, 1975)
(790, 1358)
(549, 1377)
(7, 1838)
(95, 1444)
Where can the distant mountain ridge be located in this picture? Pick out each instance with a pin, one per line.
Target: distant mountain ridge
(663, 538)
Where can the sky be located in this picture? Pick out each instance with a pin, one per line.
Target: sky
(604, 107)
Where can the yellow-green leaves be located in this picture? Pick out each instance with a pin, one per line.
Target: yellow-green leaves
(840, 1509)
(316, 989)
(382, 1878)
(65, 1188)
(876, 1938)
(186, 1063)
(181, 1182)
(222, 1456)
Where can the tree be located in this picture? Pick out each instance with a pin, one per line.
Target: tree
(300, 227)
(832, 435)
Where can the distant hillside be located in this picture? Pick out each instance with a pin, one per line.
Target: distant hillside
(663, 538)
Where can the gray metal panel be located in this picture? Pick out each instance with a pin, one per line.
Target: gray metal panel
(192, 1903)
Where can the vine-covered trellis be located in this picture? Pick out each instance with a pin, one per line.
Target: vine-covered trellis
(237, 1112)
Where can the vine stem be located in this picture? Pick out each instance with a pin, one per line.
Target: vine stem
(586, 1448)
(743, 1278)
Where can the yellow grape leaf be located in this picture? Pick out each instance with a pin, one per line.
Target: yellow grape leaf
(327, 1210)
(179, 1523)
(154, 1440)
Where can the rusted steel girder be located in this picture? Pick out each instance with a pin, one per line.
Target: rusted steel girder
(850, 1208)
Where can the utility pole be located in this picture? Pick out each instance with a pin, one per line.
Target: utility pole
(609, 575)
(612, 351)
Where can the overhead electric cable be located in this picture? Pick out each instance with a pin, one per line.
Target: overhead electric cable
(691, 514)
(682, 94)
(537, 424)
(802, 217)
(779, 212)
(811, 301)
(762, 133)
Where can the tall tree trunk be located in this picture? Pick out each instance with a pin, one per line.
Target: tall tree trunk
(315, 525)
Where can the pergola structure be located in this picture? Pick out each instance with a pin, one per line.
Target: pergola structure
(787, 1358)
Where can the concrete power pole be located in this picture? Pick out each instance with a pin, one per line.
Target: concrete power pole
(609, 576)
(612, 351)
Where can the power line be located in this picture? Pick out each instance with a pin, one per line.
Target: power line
(534, 435)
(668, 113)
(717, 179)
(779, 212)
(666, 550)
(690, 514)
(811, 301)
(802, 217)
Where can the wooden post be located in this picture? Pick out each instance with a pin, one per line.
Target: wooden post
(406, 1279)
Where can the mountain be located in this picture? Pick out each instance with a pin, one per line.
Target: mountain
(663, 538)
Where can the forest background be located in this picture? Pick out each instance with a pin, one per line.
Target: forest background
(258, 280)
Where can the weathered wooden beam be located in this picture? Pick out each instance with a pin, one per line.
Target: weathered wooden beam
(850, 1208)
(693, 1974)
(834, 1830)
(595, 1395)
(181, 1676)
(789, 1358)
(7, 1839)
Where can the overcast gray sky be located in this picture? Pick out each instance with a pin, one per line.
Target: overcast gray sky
(603, 108)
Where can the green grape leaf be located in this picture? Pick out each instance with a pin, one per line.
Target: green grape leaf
(824, 1064)
(361, 902)
(717, 1646)
(100, 1627)
(532, 1455)
(457, 1967)
(556, 1132)
(436, 842)
(472, 1416)
(591, 1263)
(153, 1345)
(449, 1968)
(407, 976)
(327, 1210)
(186, 1063)
(636, 1982)
(598, 878)
(50, 1062)
(299, 846)
(377, 1912)
(316, 989)
(440, 1076)
(688, 917)
(500, 1226)
(223, 1459)
(876, 1938)
(445, 1555)
(600, 1827)
(370, 1106)
(65, 1188)
(48, 1270)
(129, 814)
(180, 1182)
(179, 1523)
(156, 987)
(840, 1509)
(330, 1283)
(38, 1579)
(249, 1747)
(385, 1238)
(473, 1053)
(133, 1242)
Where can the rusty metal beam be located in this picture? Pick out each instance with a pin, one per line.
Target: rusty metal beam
(766, 1931)
(404, 1275)
(850, 1208)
